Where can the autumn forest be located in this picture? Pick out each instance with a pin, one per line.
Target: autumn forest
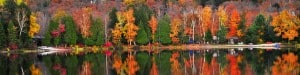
(146, 37)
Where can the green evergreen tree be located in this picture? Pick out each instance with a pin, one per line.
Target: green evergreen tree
(12, 33)
(3, 65)
(9, 7)
(142, 15)
(99, 34)
(251, 35)
(13, 68)
(71, 63)
(113, 18)
(97, 31)
(56, 40)
(269, 35)
(144, 61)
(2, 36)
(49, 64)
(163, 63)
(48, 39)
(208, 36)
(242, 27)
(89, 41)
(142, 37)
(222, 34)
(98, 63)
(70, 36)
(163, 31)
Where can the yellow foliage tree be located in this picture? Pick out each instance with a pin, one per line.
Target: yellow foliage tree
(118, 29)
(223, 17)
(59, 14)
(239, 33)
(117, 33)
(129, 2)
(175, 25)
(19, 2)
(2, 2)
(35, 70)
(130, 29)
(34, 27)
(286, 25)
(286, 65)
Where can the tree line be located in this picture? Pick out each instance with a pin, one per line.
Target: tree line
(68, 23)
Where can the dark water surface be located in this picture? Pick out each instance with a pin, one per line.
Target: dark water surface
(259, 60)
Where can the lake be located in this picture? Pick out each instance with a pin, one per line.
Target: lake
(162, 62)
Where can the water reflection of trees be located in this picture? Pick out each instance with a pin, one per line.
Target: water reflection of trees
(188, 62)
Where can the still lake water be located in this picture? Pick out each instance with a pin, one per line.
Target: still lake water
(190, 62)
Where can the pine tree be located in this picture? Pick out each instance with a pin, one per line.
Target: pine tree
(208, 36)
(142, 15)
(49, 39)
(163, 31)
(2, 36)
(142, 37)
(255, 32)
(269, 34)
(12, 34)
(144, 61)
(222, 34)
(113, 18)
(10, 7)
(251, 35)
(71, 63)
(70, 36)
(98, 32)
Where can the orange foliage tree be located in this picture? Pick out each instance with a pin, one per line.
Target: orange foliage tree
(130, 29)
(132, 65)
(286, 65)
(154, 69)
(117, 31)
(86, 69)
(206, 15)
(83, 21)
(175, 27)
(153, 25)
(117, 65)
(286, 25)
(233, 23)
(175, 65)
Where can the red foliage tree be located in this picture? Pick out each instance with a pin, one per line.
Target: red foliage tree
(233, 23)
(82, 19)
(233, 65)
